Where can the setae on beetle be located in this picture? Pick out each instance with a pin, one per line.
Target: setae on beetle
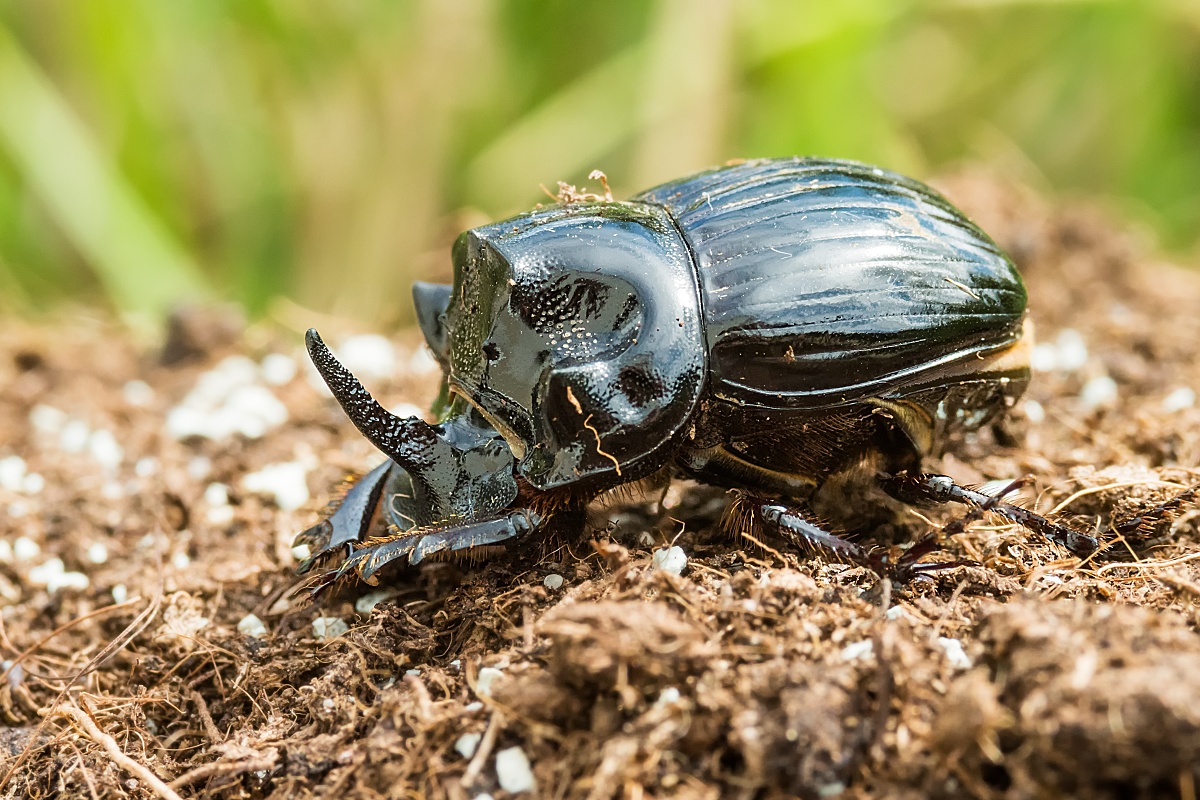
(763, 326)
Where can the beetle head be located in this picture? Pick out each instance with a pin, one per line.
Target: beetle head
(576, 331)
(460, 468)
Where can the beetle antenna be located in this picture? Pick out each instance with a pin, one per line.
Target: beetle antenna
(412, 443)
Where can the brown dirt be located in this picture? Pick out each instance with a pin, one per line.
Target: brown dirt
(753, 674)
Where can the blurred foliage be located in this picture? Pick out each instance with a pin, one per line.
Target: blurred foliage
(329, 151)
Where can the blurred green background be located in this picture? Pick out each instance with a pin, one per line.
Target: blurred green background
(328, 151)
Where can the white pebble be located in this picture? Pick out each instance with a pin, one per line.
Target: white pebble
(278, 369)
(286, 482)
(670, 559)
(25, 549)
(12, 473)
(47, 419)
(483, 682)
(482, 796)
(1178, 400)
(104, 450)
(467, 744)
(138, 393)
(33, 483)
(6, 552)
(513, 771)
(857, 650)
(52, 575)
(74, 437)
(301, 552)
(366, 604)
(216, 494)
(416, 673)
(145, 466)
(18, 508)
(199, 468)
(180, 560)
(225, 401)
(472, 707)
(1072, 350)
(1044, 358)
(553, 581)
(369, 354)
(328, 627)
(667, 697)
(1034, 412)
(1099, 391)
(97, 553)
(15, 672)
(251, 625)
(955, 654)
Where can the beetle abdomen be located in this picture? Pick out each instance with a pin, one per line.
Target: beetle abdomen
(824, 282)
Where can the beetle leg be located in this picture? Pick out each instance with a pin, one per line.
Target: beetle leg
(943, 489)
(1142, 523)
(349, 522)
(421, 543)
(794, 525)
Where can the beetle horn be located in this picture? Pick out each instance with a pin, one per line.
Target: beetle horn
(412, 443)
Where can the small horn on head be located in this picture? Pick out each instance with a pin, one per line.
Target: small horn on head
(412, 443)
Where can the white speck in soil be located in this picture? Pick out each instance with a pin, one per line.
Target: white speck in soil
(328, 627)
(553, 581)
(97, 553)
(366, 604)
(670, 559)
(278, 369)
(251, 625)
(467, 744)
(857, 650)
(1178, 400)
(1099, 391)
(286, 482)
(138, 393)
(483, 683)
(513, 771)
(955, 654)
(25, 549)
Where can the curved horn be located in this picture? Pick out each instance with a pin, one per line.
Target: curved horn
(412, 443)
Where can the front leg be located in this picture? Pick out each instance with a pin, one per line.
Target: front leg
(420, 543)
(932, 488)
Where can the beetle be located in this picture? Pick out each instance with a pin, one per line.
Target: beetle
(766, 326)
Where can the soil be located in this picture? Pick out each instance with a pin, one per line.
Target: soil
(755, 673)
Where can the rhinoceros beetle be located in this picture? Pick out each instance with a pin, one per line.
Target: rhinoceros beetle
(762, 326)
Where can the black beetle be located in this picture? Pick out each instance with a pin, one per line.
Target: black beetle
(762, 326)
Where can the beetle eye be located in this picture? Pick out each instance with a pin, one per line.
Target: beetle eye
(492, 352)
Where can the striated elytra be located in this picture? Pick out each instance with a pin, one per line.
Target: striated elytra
(763, 326)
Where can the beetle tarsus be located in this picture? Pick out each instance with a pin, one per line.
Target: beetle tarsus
(1145, 521)
(943, 489)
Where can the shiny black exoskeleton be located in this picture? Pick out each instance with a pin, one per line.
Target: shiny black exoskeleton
(763, 326)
